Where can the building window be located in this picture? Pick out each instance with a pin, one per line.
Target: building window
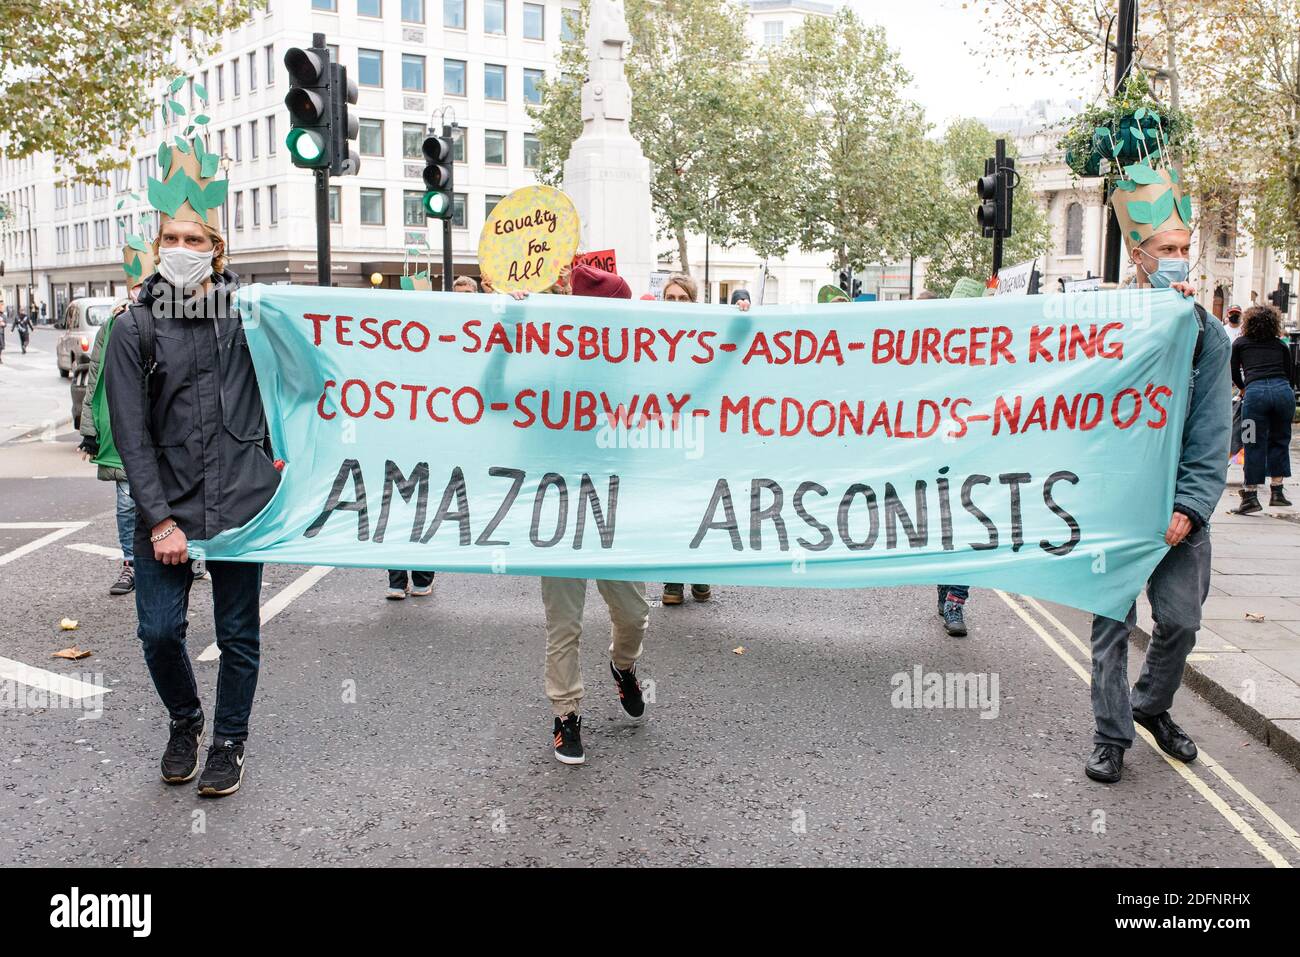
(329, 6)
(569, 23)
(413, 141)
(494, 81)
(370, 68)
(270, 135)
(239, 210)
(254, 199)
(269, 51)
(336, 205)
(533, 85)
(494, 147)
(234, 77)
(252, 139)
(333, 49)
(252, 72)
(532, 151)
(489, 204)
(412, 208)
(121, 180)
(370, 137)
(773, 33)
(221, 83)
(412, 73)
(458, 144)
(453, 14)
(272, 206)
(413, 11)
(534, 21)
(1074, 230)
(458, 210)
(494, 16)
(370, 8)
(372, 207)
(453, 77)
(221, 150)
(239, 143)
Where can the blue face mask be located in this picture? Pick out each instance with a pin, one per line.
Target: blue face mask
(1168, 272)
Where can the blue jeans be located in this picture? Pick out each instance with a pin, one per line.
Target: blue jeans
(162, 597)
(1268, 404)
(1177, 589)
(958, 593)
(125, 520)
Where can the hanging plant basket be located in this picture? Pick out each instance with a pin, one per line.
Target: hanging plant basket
(1129, 127)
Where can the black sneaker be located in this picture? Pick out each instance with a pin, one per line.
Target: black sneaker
(701, 592)
(629, 692)
(954, 622)
(672, 594)
(224, 770)
(180, 760)
(568, 739)
(125, 583)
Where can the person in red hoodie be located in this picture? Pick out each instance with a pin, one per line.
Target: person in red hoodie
(564, 598)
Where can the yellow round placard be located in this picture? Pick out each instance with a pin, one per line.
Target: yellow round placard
(529, 237)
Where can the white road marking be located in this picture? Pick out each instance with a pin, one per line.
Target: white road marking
(96, 550)
(1232, 817)
(62, 530)
(278, 603)
(52, 682)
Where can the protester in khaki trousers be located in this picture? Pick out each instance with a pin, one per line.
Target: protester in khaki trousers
(564, 599)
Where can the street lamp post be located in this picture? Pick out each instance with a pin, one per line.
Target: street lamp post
(224, 164)
(1125, 42)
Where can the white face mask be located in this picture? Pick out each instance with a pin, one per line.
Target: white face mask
(185, 268)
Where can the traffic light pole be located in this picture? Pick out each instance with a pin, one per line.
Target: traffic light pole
(1124, 48)
(446, 230)
(322, 227)
(1000, 156)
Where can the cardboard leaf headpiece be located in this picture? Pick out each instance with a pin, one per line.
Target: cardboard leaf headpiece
(831, 293)
(1149, 201)
(137, 260)
(188, 191)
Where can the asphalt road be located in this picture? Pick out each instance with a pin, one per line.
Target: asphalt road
(417, 732)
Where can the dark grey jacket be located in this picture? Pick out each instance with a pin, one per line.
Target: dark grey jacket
(196, 449)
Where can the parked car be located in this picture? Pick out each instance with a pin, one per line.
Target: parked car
(77, 328)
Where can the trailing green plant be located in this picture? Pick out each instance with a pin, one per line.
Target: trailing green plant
(1129, 127)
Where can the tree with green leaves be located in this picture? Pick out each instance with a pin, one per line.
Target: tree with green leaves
(863, 185)
(716, 129)
(956, 245)
(79, 75)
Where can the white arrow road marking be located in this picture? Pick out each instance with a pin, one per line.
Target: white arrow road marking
(96, 550)
(55, 684)
(279, 602)
(62, 530)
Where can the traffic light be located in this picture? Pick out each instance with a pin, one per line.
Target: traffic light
(856, 290)
(996, 190)
(310, 106)
(344, 127)
(439, 170)
(1281, 297)
(846, 279)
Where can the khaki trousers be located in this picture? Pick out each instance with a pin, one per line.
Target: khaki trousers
(564, 598)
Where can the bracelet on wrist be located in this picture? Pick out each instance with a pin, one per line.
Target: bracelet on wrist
(163, 534)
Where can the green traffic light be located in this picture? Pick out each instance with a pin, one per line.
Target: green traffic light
(436, 204)
(306, 146)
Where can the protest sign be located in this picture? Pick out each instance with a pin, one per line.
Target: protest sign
(527, 239)
(601, 259)
(1015, 280)
(1024, 443)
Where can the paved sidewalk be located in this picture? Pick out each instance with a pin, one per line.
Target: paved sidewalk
(1247, 656)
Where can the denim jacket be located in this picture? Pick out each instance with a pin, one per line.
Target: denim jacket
(1203, 465)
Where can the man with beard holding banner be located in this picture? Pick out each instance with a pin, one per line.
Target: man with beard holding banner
(1155, 218)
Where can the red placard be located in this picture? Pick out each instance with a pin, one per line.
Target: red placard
(601, 259)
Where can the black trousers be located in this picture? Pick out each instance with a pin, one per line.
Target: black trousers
(397, 578)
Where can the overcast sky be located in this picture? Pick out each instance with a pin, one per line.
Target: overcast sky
(938, 42)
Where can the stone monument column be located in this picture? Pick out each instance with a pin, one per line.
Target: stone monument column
(606, 175)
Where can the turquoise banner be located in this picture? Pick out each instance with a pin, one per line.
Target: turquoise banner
(1025, 443)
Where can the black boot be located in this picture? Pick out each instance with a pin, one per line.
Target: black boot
(1106, 764)
(1249, 503)
(1277, 497)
